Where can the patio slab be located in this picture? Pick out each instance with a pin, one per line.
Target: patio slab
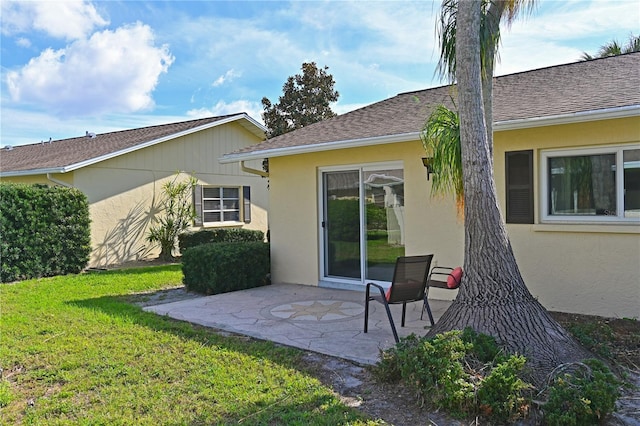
(323, 320)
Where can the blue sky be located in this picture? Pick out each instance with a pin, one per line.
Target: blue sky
(75, 66)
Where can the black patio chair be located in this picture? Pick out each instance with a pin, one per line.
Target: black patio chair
(440, 277)
(408, 285)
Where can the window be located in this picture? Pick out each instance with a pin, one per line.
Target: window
(519, 181)
(219, 205)
(591, 184)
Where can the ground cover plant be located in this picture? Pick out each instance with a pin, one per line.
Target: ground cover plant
(467, 375)
(75, 352)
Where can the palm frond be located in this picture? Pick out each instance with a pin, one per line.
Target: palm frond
(441, 140)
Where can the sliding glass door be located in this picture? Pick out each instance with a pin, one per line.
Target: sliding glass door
(363, 222)
(342, 224)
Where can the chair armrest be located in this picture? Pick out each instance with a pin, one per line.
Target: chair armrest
(438, 277)
(379, 287)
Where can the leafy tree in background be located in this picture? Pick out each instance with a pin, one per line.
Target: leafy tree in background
(493, 298)
(613, 48)
(305, 100)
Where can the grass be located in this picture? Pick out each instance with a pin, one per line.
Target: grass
(73, 351)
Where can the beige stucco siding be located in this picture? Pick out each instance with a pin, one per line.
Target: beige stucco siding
(432, 225)
(582, 268)
(124, 191)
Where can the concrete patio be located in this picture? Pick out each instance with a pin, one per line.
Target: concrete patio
(322, 320)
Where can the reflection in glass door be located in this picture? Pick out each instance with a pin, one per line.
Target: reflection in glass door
(384, 212)
(342, 224)
(363, 223)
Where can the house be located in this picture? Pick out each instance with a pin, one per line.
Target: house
(349, 194)
(122, 174)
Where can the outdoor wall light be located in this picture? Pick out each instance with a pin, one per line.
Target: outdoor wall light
(427, 162)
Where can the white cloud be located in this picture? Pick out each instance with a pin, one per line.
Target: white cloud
(23, 42)
(552, 36)
(113, 71)
(253, 109)
(227, 77)
(69, 19)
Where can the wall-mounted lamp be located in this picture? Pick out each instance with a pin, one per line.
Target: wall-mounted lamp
(427, 162)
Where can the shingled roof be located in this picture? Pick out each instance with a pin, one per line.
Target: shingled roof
(69, 154)
(585, 90)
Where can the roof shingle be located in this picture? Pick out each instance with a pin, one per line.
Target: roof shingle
(63, 153)
(587, 86)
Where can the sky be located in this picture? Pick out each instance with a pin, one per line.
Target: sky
(68, 67)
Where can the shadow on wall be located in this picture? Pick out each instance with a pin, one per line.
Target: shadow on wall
(127, 240)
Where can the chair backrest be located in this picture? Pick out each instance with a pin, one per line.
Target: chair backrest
(409, 279)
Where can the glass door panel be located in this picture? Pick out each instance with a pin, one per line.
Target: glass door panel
(384, 219)
(342, 224)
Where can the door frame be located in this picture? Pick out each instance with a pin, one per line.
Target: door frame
(343, 282)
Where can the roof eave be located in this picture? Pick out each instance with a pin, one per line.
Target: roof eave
(251, 125)
(324, 146)
(578, 117)
(573, 118)
(33, 172)
(260, 133)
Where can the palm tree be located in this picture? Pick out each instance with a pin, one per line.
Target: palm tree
(440, 135)
(441, 139)
(613, 48)
(493, 298)
(492, 13)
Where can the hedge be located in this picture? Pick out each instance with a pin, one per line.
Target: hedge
(45, 231)
(222, 267)
(222, 235)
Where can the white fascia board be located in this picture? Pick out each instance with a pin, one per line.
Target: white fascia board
(578, 117)
(32, 172)
(324, 146)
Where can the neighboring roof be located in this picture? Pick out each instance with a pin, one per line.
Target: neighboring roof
(581, 91)
(70, 154)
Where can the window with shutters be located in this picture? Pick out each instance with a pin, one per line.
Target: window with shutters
(222, 205)
(519, 180)
(589, 185)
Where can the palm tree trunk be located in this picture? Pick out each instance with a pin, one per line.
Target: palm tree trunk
(493, 298)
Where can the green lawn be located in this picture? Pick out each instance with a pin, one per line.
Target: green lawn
(74, 352)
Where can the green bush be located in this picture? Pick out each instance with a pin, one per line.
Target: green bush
(434, 369)
(45, 231)
(222, 235)
(582, 397)
(223, 267)
(484, 347)
(446, 373)
(466, 374)
(501, 393)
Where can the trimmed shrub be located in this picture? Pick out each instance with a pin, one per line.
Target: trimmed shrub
(447, 373)
(501, 393)
(45, 231)
(584, 396)
(222, 235)
(223, 267)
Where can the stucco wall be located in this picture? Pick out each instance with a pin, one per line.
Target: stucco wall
(590, 269)
(432, 225)
(581, 268)
(123, 192)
